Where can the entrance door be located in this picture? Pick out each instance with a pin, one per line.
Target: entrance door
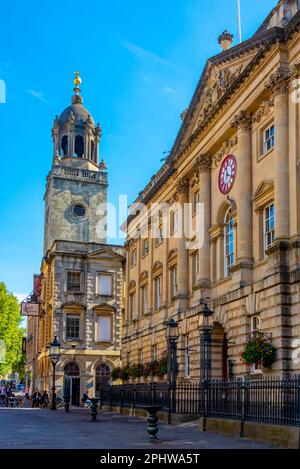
(75, 391)
(72, 383)
(67, 387)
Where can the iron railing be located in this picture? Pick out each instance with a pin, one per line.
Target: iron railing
(268, 400)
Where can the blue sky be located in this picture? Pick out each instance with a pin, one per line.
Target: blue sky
(140, 62)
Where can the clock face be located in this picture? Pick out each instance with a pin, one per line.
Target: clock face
(227, 174)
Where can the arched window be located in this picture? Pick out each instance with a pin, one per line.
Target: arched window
(79, 146)
(102, 378)
(228, 243)
(71, 369)
(93, 151)
(64, 145)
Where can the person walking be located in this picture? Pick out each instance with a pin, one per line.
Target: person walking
(36, 398)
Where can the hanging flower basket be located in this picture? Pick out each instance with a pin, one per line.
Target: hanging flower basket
(136, 370)
(258, 351)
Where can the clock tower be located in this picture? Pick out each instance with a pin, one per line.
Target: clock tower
(76, 192)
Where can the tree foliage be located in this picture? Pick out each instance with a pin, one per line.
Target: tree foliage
(10, 332)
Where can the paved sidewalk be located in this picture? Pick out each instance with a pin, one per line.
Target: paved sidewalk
(43, 428)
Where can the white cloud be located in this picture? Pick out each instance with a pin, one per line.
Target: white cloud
(146, 78)
(38, 94)
(169, 90)
(145, 54)
(20, 296)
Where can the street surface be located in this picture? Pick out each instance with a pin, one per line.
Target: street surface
(43, 428)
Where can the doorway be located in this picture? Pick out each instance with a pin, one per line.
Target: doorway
(72, 383)
(103, 376)
(219, 352)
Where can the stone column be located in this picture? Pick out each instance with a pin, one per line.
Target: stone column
(182, 251)
(242, 122)
(279, 86)
(203, 166)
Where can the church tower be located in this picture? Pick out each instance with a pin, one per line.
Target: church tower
(76, 192)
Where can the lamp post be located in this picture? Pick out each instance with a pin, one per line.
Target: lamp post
(172, 336)
(205, 329)
(54, 357)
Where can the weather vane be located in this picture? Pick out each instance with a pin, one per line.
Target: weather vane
(77, 82)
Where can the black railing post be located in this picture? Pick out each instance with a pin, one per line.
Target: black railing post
(122, 396)
(110, 397)
(133, 396)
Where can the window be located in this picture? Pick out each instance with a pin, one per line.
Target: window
(145, 247)
(132, 306)
(255, 324)
(79, 146)
(140, 356)
(173, 281)
(186, 356)
(174, 221)
(157, 292)
(154, 352)
(159, 230)
(144, 299)
(105, 284)
(195, 262)
(269, 226)
(74, 281)
(196, 200)
(64, 145)
(255, 327)
(133, 257)
(228, 243)
(72, 326)
(79, 210)
(127, 358)
(159, 237)
(268, 139)
(104, 329)
(102, 377)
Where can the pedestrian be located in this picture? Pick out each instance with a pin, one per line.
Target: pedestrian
(45, 399)
(36, 398)
(27, 401)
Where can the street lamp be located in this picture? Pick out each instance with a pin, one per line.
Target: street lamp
(54, 357)
(205, 329)
(172, 336)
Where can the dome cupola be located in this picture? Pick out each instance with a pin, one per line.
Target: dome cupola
(74, 133)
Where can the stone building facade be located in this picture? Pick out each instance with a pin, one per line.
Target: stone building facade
(82, 287)
(235, 162)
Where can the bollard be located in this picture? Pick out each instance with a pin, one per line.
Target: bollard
(93, 410)
(152, 421)
(67, 403)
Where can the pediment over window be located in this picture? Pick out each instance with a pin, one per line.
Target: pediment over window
(104, 308)
(144, 277)
(72, 306)
(132, 285)
(157, 268)
(264, 193)
(104, 253)
(172, 257)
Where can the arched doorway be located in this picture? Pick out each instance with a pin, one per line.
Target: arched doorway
(219, 353)
(72, 383)
(102, 377)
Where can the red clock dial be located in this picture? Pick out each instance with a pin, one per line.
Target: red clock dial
(227, 174)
